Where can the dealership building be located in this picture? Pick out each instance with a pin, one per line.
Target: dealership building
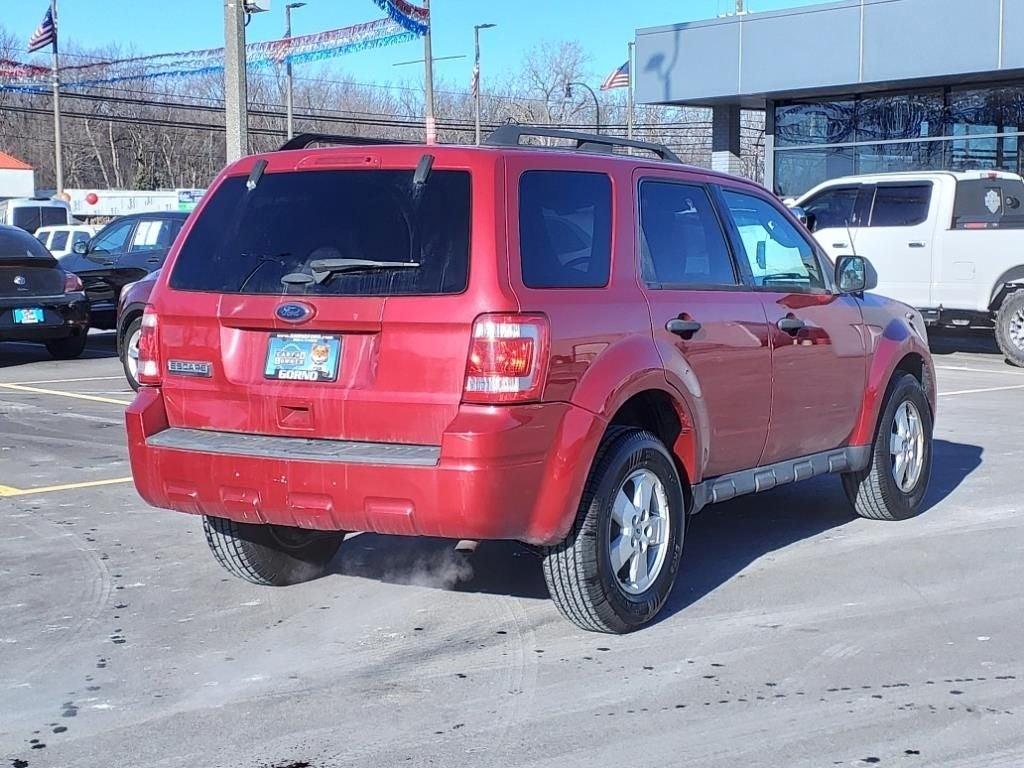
(856, 86)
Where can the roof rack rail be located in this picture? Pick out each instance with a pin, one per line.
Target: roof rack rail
(510, 136)
(304, 140)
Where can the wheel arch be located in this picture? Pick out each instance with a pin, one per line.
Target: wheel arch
(1010, 281)
(127, 315)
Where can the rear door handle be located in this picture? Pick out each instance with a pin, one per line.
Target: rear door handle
(918, 244)
(683, 328)
(791, 325)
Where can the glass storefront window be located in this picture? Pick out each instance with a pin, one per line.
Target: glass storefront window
(903, 116)
(797, 170)
(814, 123)
(905, 156)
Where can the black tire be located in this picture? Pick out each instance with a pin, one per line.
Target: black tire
(68, 348)
(579, 572)
(269, 555)
(134, 327)
(874, 491)
(1010, 323)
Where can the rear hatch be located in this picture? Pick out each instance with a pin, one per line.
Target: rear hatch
(27, 270)
(322, 303)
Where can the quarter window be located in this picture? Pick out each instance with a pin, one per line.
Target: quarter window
(902, 205)
(681, 240)
(565, 229)
(777, 253)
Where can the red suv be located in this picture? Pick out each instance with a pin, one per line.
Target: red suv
(562, 346)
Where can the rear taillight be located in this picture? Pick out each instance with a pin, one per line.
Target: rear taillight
(72, 283)
(507, 359)
(149, 349)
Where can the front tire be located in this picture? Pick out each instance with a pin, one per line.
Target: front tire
(893, 485)
(616, 568)
(271, 555)
(69, 347)
(1010, 328)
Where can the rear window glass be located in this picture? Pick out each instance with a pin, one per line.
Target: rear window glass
(59, 241)
(296, 223)
(903, 205)
(565, 229)
(989, 204)
(15, 244)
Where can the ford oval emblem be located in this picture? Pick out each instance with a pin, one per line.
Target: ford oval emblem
(295, 312)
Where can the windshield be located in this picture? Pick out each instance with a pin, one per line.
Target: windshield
(247, 241)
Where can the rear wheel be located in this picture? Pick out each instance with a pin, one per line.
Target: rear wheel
(1010, 328)
(271, 555)
(68, 348)
(130, 352)
(893, 485)
(616, 568)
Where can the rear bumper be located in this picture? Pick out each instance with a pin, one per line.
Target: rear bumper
(62, 317)
(512, 472)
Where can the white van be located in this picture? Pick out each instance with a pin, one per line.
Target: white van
(60, 240)
(31, 213)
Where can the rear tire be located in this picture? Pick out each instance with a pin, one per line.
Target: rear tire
(609, 529)
(271, 555)
(68, 348)
(902, 449)
(1010, 328)
(130, 352)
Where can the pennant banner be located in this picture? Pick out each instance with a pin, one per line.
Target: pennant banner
(19, 76)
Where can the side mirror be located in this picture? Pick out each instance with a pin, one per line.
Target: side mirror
(854, 274)
(801, 215)
(80, 247)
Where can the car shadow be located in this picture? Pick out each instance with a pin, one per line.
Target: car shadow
(721, 541)
(945, 341)
(15, 353)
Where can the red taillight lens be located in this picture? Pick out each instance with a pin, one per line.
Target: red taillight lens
(72, 283)
(149, 350)
(507, 359)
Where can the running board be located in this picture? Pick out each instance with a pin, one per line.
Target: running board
(759, 479)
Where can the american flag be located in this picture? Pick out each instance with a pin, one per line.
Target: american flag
(619, 78)
(45, 34)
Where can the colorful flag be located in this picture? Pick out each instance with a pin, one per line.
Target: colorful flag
(617, 79)
(474, 85)
(45, 34)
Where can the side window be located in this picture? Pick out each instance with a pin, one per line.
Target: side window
(832, 208)
(681, 240)
(59, 241)
(79, 237)
(44, 237)
(902, 205)
(565, 229)
(112, 239)
(151, 235)
(777, 253)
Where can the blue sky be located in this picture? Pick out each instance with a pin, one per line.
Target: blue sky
(602, 26)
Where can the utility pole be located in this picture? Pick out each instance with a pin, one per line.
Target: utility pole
(288, 67)
(476, 77)
(236, 106)
(57, 142)
(629, 95)
(428, 84)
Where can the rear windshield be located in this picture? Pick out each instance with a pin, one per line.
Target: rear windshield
(246, 241)
(15, 244)
(989, 204)
(32, 217)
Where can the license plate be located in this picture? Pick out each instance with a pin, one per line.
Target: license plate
(31, 316)
(302, 357)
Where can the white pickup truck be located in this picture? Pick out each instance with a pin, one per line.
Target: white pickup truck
(950, 244)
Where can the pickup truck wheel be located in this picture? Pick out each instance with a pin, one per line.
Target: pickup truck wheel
(893, 485)
(271, 555)
(1010, 328)
(616, 568)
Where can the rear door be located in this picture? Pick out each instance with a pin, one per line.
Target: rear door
(710, 328)
(294, 348)
(898, 236)
(98, 267)
(818, 350)
(147, 249)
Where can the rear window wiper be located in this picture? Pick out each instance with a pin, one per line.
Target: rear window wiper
(321, 269)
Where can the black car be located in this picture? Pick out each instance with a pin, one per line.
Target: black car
(126, 250)
(39, 301)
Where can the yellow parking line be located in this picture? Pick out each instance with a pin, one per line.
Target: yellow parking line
(7, 491)
(76, 395)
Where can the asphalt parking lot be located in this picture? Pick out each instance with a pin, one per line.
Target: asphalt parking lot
(797, 635)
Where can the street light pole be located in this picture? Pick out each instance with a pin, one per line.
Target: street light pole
(288, 68)
(236, 108)
(476, 77)
(597, 104)
(428, 80)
